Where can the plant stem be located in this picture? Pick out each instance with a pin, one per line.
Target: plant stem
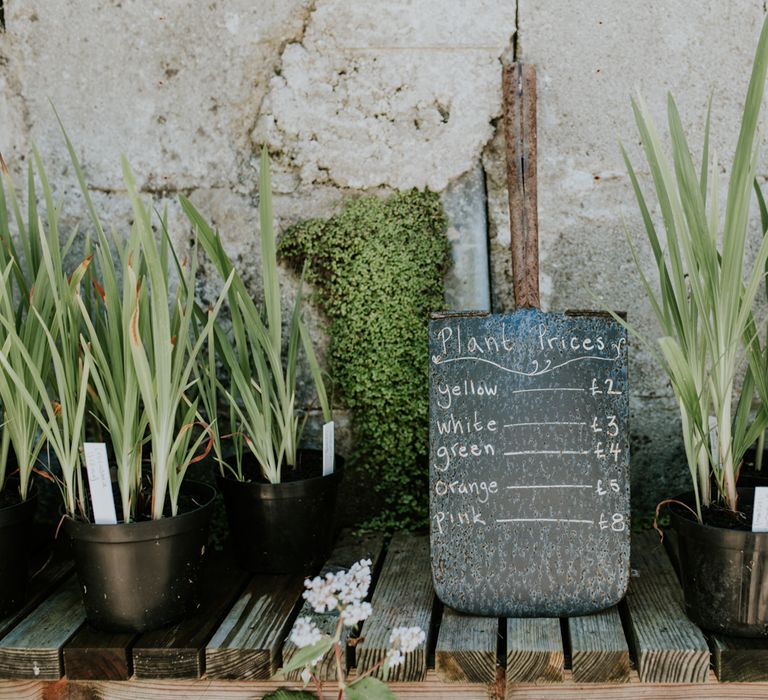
(337, 653)
(318, 687)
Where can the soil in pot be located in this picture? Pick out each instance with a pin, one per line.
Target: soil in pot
(143, 575)
(286, 527)
(16, 518)
(749, 477)
(724, 568)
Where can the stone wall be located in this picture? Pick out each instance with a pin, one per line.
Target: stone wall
(373, 97)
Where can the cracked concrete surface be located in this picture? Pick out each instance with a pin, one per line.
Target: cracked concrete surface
(374, 97)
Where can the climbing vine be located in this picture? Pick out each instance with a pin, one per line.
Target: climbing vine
(378, 267)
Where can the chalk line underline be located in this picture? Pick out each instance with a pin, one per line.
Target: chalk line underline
(547, 452)
(553, 486)
(535, 373)
(544, 520)
(520, 425)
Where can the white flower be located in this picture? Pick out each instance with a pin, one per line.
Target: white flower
(306, 676)
(394, 658)
(305, 633)
(354, 585)
(321, 593)
(406, 639)
(348, 588)
(355, 612)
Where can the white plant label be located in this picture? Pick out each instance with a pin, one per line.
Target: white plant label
(760, 510)
(97, 465)
(328, 448)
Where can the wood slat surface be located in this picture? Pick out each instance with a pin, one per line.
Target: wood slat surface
(466, 648)
(430, 689)
(95, 655)
(348, 550)
(40, 587)
(32, 649)
(599, 652)
(403, 597)
(178, 651)
(668, 647)
(739, 659)
(248, 642)
(534, 651)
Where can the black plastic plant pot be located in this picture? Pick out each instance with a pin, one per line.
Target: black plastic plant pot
(15, 526)
(724, 573)
(286, 527)
(142, 575)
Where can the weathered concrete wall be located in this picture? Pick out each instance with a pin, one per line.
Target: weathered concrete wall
(353, 97)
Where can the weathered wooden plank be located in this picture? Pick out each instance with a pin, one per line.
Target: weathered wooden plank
(599, 652)
(95, 655)
(466, 648)
(348, 550)
(668, 647)
(178, 651)
(403, 598)
(40, 586)
(429, 689)
(22, 690)
(534, 651)
(207, 689)
(247, 644)
(739, 659)
(32, 649)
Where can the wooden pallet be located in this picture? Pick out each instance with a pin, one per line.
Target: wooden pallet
(235, 644)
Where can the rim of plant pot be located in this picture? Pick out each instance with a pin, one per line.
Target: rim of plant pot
(290, 488)
(15, 521)
(13, 513)
(722, 573)
(684, 522)
(282, 528)
(143, 530)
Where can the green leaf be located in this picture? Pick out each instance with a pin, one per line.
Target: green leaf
(286, 694)
(369, 688)
(306, 655)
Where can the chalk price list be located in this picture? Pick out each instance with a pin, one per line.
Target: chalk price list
(559, 436)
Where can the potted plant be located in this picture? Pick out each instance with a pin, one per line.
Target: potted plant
(129, 357)
(704, 308)
(279, 505)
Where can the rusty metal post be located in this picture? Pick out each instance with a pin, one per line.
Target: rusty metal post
(519, 95)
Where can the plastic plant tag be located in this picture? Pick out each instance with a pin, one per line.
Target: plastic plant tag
(100, 483)
(328, 448)
(760, 510)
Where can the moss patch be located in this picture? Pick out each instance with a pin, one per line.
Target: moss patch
(379, 268)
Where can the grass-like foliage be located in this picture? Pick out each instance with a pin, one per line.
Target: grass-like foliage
(260, 380)
(705, 295)
(35, 320)
(113, 340)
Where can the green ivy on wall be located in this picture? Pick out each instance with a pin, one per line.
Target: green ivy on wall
(379, 268)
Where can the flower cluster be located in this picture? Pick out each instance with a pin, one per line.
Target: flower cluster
(305, 632)
(344, 591)
(403, 640)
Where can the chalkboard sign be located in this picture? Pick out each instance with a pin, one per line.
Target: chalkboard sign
(529, 461)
